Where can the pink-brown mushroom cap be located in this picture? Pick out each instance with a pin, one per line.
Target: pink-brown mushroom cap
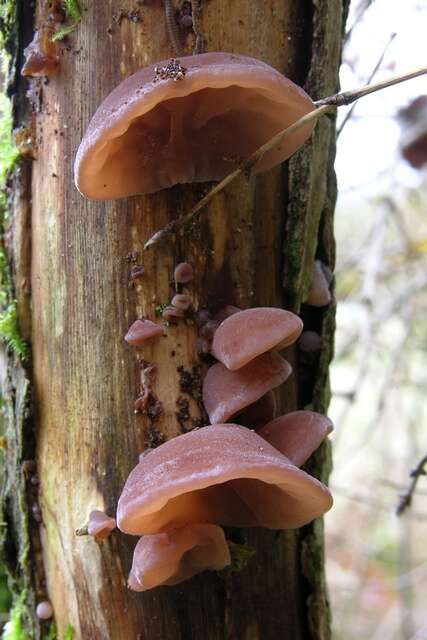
(226, 312)
(183, 273)
(222, 474)
(259, 413)
(249, 333)
(177, 555)
(182, 301)
(150, 134)
(100, 525)
(44, 610)
(142, 331)
(297, 435)
(319, 295)
(226, 393)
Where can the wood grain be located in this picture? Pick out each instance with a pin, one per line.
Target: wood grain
(86, 378)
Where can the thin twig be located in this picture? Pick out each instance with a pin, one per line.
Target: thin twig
(327, 105)
(406, 498)
(360, 11)
(371, 77)
(347, 97)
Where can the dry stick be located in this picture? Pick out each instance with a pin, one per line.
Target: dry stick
(406, 498)
(327, 105)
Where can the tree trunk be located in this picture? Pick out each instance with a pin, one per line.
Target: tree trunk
(255, 245)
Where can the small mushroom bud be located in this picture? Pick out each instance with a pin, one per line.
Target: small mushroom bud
(137, 272)
(141, 403)
(181, 301)
(202, 317)
(203, 345)
(208, 329)
(186, 21)
(319, 295)
(309, 341)
(36, 512)
(143, 331)
(29, 466)
(226, 312)
(100, 525)
(327, 272)
(149, 374)
(44, 610)
(172, 313)
(183, 273)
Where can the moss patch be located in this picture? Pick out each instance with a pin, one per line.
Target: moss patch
(73, 15)
(9, 332)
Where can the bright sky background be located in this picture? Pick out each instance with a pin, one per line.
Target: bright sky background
(368, 145)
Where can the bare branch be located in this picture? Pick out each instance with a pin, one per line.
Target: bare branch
(371, 77)
(327, 105)
(347, 97)
(406, 498)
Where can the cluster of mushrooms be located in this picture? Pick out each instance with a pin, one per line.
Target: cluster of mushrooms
(176, 123)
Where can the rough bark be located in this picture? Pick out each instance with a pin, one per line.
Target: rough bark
(255, 246)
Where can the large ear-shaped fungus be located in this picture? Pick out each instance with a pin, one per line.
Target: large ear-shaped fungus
(226, 393)
(152, 132)
(222, 474)
(249, 333)
(297, 435)
(177, 555)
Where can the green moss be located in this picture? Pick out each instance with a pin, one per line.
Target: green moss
(7, 22)
(5, 596)
(9, 332)
(160, 308)
(241, 554)
(8, 151)
(52, 634)
(14, 629)
(69, 632)
(73, 14)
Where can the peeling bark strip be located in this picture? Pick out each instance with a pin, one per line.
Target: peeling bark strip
(86, 379)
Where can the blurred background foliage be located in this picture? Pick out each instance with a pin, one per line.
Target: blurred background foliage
(377, 560)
